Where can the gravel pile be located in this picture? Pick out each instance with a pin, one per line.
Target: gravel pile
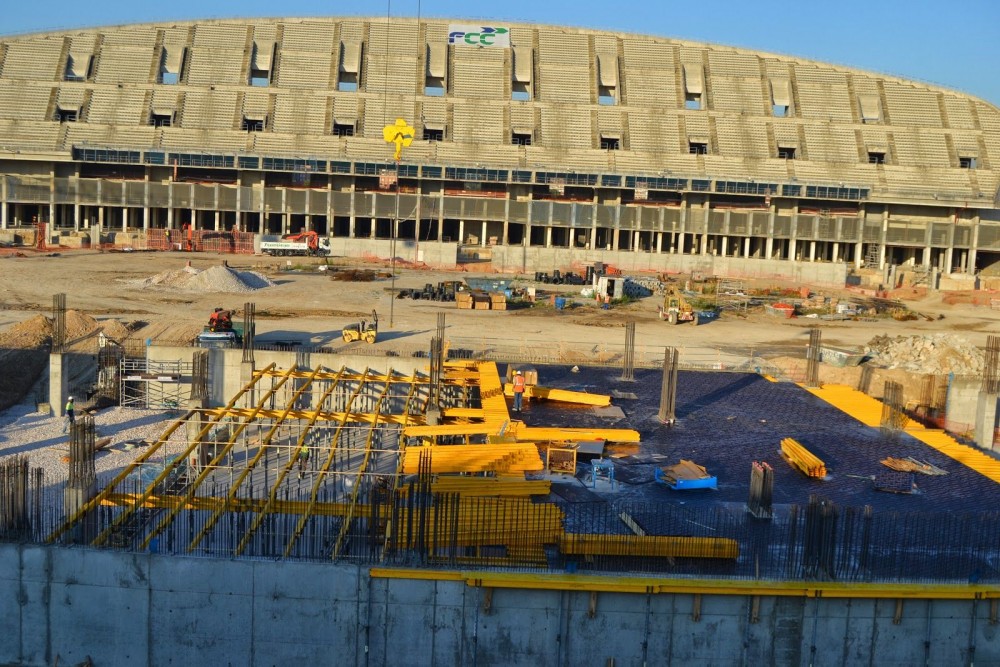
(215, 279)
(931, 354)
(23, 430)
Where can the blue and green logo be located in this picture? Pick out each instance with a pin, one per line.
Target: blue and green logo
(475, 35)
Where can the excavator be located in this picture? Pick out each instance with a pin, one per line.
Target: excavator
(676, 309)
(364, 330)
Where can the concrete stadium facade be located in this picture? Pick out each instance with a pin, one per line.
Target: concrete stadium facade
(533, 144)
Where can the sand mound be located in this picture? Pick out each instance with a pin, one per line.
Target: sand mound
(215, 279)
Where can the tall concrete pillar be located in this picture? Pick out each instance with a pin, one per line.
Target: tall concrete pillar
(482, 238)
(548, 237)
(812, 251)
(58, 384)
(461, 231)
(986, 419)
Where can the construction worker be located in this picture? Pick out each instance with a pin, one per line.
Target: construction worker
(518, 390)
(303, 459)
(70, 415)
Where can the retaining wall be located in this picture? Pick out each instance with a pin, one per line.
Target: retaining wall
(149, 609)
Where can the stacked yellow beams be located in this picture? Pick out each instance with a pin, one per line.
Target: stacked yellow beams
(868, 411)
(491, 394)
(801, 458)
(490, 486)
(512, 457)
(649, 546)
(562, 395)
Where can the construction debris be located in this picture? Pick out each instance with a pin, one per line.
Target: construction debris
(910, 464)
(930, 354)
(686, 475)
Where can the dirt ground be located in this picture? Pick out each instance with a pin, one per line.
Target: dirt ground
(305, 305)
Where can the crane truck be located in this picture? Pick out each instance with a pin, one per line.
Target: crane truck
(304, 243)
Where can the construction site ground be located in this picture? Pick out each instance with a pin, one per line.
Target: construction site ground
(141, 295)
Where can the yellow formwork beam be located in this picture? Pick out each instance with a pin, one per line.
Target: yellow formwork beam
(320, 416)
(226, 504)
(505, 457)
(802, 459)
(868, 411)
(653, 585)
(561, 395)
(556, 434)
(649, 546)
(490, 486)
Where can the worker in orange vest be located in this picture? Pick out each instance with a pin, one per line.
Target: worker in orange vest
(518, 390)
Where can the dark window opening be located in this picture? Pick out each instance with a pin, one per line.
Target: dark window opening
(697, 148)
(260, 78)
(519, 139)
(433, 135)
(67, 115)
(434, 86)
(786, 153)
(876, 157)
(348, 82)
(692, 101)
(343, 130)
(520, 91)
(609, 143)
(967, 162)
(253, 124)
(161, 119)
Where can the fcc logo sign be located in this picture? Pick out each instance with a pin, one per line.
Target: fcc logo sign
(478, 35)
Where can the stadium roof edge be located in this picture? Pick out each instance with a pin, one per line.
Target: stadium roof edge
(576, 29)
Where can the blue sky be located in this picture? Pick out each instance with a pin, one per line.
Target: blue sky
(955, 44)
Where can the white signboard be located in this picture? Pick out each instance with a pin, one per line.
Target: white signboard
(479, 35)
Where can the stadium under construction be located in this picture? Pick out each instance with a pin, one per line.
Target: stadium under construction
(540, 146)
(393, 509)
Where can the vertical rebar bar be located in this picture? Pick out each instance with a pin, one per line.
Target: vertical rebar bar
(628, 360)
(249, 329)
(668, 389)
(813, 353)
(58, 322)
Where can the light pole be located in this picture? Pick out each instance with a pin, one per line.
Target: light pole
(401, 135)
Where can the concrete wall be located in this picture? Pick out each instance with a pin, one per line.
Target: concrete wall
(149, 609)
(527, 259)
(434, 253)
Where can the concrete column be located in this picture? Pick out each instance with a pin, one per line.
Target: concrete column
(593, 238)
(885, 234)
(58, 384)
(614, 239)
(986, 419)
(548, 237)
(3, 203)
(218, 220)
(746, 247)
(461, 231)
(372, 234)
(970, 262)
(812, 251)
(836, 252)
(725, 246)
(659, 242)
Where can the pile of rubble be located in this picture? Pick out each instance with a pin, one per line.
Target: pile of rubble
(930, 354)
(215, 279)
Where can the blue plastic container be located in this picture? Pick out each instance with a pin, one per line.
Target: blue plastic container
(560, 302)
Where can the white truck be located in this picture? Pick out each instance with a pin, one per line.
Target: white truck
(307, 243)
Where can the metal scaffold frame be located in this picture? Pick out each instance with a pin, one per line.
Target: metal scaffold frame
(154, 384)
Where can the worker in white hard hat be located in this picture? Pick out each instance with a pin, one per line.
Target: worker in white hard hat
(518, 383)
(70, 415)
